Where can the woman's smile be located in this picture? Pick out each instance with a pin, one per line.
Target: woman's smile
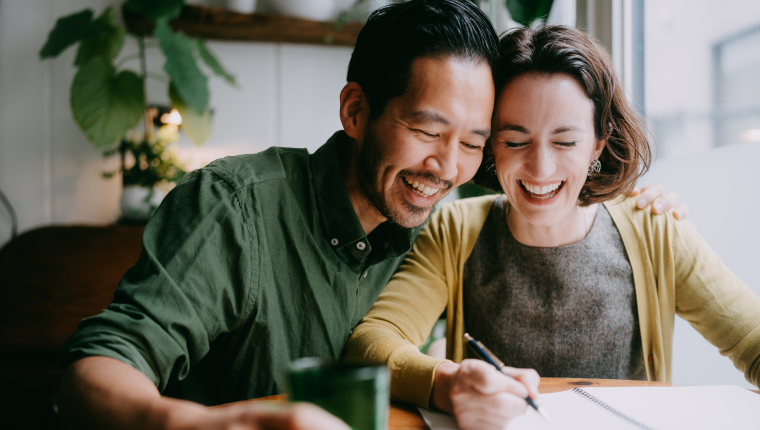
(541, 192)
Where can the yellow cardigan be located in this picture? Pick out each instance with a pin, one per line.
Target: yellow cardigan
(674, 271)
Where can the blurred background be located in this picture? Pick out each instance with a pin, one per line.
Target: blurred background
(691, 67)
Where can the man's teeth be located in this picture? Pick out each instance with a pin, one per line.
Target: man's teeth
(422, 189)
(543, 189)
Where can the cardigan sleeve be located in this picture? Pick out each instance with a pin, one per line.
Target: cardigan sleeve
(715, 302)
(404, 314)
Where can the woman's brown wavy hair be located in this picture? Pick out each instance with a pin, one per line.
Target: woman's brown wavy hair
(558, 49)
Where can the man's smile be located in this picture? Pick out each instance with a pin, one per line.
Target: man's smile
(419, 188)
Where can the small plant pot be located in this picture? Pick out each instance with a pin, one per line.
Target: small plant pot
(315, 10)
(242, 6)
(138, 203)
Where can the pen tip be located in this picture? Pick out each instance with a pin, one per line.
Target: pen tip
(544, 414)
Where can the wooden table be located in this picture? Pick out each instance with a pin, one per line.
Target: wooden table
(406, 417)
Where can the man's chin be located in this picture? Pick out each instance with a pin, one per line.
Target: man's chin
(408, 215)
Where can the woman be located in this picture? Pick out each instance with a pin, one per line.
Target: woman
(560, 274)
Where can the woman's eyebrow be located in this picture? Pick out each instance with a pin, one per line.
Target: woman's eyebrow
(513, 127)
(565, 128)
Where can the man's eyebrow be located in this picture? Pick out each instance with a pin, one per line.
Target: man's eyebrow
(513, 127)
(427, 116)
(485, 132)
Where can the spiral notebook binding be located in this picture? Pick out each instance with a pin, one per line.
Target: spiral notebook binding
(583, 393)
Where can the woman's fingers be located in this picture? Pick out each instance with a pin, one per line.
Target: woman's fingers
(485, 379)
(483, 398)
(527, 377)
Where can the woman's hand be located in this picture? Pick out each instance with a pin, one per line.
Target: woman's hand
(653, 194)
(479, 396)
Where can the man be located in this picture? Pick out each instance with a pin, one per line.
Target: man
(257, 260)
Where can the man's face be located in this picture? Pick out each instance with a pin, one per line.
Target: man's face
(427, 141)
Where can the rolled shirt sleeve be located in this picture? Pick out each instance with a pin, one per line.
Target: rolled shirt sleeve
(192, 282)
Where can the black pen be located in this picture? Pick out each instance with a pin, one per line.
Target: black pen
(484, 354)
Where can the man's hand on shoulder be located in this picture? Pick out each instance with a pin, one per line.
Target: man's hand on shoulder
(479, 396)
(653, 195)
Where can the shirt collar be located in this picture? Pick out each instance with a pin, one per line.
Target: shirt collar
(336, 211)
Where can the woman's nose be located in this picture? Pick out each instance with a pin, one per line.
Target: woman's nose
(540, 163)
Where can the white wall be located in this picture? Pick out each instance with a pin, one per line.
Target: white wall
(718, 186)
(679, 37)
(287, 96)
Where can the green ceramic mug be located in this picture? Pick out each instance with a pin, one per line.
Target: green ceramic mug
(357, 393)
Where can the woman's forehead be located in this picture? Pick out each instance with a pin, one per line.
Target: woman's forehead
(546, 100)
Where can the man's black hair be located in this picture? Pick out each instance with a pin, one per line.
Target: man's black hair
(398, 34)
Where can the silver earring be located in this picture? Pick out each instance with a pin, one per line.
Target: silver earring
(594, 167)
(491, 166)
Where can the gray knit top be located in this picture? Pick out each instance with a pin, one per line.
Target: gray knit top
(568, 311)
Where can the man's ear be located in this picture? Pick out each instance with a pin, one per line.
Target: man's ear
(354, 110)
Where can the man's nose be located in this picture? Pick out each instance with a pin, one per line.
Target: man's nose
(443, 161)
(540, 163)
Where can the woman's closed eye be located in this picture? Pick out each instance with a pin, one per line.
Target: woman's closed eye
(565, 144)
(515, 144)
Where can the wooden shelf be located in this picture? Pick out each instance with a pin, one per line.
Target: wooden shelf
(221, 24)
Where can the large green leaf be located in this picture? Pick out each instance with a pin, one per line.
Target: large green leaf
(68, 30)
(104, 39)
(212, 62)
(197, 126)
(106, 105)
(156, 9)
(181, 67)
(526, 11)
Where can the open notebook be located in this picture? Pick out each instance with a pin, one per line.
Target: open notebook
(635, 408)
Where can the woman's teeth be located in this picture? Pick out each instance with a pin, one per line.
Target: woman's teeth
(421, 189)
(542, 190)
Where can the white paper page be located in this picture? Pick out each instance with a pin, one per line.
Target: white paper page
(568, 411)
(660, 408)
(692, 408)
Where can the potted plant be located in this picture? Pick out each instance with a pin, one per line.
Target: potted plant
(108, 101)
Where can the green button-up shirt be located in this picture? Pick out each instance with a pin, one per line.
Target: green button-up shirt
(249, 263)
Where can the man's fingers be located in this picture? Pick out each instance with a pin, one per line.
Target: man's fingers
(681, 212)
(666, 203)
(648, 194)
(299, 416)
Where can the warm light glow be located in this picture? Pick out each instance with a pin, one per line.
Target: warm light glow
(172, 117)
(751, 135)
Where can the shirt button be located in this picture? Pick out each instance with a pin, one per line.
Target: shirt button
(361, 246)
(334, 242)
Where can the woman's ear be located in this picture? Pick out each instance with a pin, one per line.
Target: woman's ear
(600, 143)
(354, 110)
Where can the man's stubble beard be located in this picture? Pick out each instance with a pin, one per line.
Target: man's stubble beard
(372, 163)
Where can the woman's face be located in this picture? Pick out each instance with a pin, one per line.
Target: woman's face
(542, 144)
